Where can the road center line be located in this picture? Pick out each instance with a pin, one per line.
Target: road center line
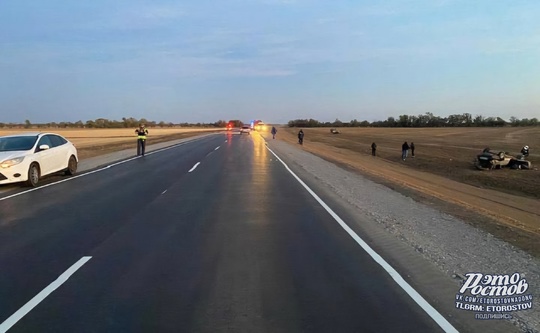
(19, 314)
(430, 310)
(217, 147)
(194, 167)
(163, 192)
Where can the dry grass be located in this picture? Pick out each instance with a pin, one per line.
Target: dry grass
(95, 142)
(85, 138)
(447, 152)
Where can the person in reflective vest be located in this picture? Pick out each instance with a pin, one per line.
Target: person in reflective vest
(141, 139)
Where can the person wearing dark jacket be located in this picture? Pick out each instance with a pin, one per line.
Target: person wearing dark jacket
(141, 139)
(412, 149)
(274, 131)
(301, 137)
(525, 151)
(404, 150)
(374, 149)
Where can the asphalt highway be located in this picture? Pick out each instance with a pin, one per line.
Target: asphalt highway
(211, 235)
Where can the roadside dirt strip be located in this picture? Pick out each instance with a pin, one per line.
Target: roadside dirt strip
(516, 211)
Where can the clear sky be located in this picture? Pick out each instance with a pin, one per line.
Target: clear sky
(275, 60)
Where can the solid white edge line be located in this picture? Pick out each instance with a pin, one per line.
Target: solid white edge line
(19, 314)
(194, 167)
(101, 169)
(430, 310)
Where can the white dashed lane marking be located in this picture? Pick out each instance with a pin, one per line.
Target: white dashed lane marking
(194, 167)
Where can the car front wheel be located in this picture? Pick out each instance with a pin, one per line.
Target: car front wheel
(72, 166)
(33, 175)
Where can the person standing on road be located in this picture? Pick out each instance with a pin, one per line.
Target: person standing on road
(412, 149)
(404, 150)
(141, 132)
(301, 137)
(274, 131)
(374, 149)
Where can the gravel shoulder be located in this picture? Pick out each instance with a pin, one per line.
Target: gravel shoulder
(438, 239)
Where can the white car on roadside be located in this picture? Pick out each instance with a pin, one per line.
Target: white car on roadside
(27, 157)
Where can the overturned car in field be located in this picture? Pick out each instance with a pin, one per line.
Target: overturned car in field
(490, 159)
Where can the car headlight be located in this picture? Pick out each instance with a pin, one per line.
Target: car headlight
(9, 163)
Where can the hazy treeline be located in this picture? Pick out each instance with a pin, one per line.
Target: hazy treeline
(423, 120)
(106, 123)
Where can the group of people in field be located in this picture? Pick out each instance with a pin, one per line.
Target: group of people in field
(405, 147)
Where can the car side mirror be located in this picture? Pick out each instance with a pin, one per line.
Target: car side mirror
(44, 147)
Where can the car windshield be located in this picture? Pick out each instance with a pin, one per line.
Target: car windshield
(16, 143)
